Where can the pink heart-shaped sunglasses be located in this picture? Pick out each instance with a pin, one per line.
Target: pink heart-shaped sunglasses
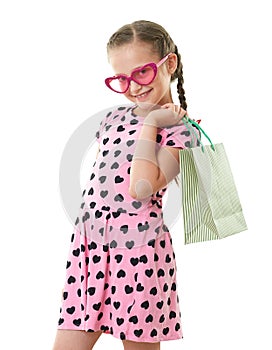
(142, 76)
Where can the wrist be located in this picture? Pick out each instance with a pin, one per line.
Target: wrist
(150, 120)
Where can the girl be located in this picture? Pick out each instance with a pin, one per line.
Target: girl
(121, 270)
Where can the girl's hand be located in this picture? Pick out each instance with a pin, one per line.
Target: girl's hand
(168, 115)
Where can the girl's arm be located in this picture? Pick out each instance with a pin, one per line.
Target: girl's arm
(153, 169)
(98, 149)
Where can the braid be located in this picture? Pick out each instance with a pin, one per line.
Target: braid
(179, 74)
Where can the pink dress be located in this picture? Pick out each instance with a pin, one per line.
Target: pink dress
(121, 268)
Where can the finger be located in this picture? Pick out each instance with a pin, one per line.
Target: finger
(177, 109)
(182, 112)
(180, 119)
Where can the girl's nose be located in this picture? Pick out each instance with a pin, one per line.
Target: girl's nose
(134, 87)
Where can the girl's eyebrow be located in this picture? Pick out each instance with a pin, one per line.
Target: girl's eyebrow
(142, 65)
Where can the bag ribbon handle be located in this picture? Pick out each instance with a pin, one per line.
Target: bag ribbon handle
(192, 122)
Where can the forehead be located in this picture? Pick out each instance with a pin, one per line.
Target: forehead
(127, 57)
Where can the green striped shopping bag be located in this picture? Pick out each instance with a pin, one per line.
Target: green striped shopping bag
(210, 201)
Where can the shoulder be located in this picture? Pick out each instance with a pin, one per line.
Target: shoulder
(117, 111)
(177, 136)
(111, 117)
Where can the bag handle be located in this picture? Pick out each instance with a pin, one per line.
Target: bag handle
(192, 122)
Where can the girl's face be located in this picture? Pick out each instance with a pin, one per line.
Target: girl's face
(126, 58)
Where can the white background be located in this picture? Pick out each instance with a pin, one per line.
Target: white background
(53, 63)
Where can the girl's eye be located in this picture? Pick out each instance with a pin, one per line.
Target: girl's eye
(121, 79)
(143, 71)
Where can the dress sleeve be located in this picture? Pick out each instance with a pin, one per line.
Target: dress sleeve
(99, 132)
(178, 136)
(102, 125)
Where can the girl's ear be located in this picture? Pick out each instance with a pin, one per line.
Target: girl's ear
(172, 63)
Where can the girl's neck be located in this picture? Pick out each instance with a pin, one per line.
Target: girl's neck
(143, 110)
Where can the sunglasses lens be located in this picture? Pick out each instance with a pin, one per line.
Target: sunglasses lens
(119, 83)
(144, 75)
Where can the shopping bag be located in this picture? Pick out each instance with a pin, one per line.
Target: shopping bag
(210, 201)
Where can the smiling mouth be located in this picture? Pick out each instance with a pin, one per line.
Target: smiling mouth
(143, 94)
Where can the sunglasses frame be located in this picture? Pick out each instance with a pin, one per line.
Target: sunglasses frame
(130, 78)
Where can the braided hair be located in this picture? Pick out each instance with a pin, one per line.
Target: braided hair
(160, 41)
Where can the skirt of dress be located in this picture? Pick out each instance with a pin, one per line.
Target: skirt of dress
(131, 294)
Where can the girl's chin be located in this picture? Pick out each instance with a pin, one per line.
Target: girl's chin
(147, 104)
